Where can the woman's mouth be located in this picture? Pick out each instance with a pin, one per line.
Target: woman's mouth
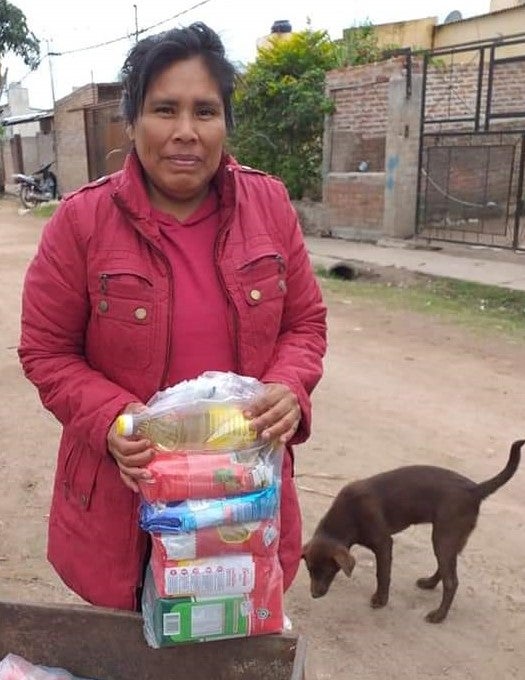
(183, 160)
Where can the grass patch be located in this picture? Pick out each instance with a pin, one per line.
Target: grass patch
(45, 209)
(480, 307)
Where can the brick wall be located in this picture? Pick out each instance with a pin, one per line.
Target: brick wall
(355, 200)
(71, 138)
(451, 92)
(357, 132)
(72, 156)
(358, 126)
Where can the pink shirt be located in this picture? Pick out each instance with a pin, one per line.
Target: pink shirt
(201, 339)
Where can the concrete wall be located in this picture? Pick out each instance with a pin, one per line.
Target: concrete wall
(496, 5)
(402, 154)
(312, 217)
(484, 27)
(415, 33)
(37, 151)
(7, 160)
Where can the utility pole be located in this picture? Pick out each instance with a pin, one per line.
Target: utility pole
(136, 24)
(49, 55)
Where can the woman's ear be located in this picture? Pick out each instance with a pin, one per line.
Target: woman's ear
(130, 131)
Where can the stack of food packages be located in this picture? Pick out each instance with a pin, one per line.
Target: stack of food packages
(212, 509)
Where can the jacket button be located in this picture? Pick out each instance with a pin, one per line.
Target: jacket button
(140, 313)
(103, 306)
(84, 499)
(255, 294)
(282, 285)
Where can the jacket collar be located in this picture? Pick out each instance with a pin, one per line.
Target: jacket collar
(131, 195)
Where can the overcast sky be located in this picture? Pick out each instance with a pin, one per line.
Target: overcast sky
(72, 24)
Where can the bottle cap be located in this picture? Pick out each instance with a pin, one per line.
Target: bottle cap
(124, 425)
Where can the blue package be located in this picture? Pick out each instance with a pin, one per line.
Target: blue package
(192, 515)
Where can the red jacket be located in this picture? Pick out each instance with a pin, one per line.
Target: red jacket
(90, 353)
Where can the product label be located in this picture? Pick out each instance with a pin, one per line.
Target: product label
(227, 575)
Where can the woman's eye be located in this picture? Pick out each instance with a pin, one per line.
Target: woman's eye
(164, 110)
(206, 111)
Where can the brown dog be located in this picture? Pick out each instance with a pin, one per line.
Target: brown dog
(369, 511)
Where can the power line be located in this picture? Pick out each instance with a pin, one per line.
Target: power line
(126, 37)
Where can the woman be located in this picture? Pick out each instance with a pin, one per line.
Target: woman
(182, 262)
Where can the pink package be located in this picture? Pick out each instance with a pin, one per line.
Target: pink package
(217, 576)
(257, 538)
(14, 667)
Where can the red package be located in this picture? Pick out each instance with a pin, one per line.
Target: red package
(257, 538)
(266, 608)
(214, 576)
(178, 476)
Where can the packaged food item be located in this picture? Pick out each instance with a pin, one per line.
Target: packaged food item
(169, 621)
(193, 515)
(187, 475)
(260, 539)
(212, 576)
(202, 414)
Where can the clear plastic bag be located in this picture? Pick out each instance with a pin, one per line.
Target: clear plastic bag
(13, 667)
(204, 414)
(212, 507)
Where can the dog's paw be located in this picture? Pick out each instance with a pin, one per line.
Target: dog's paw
(377, 601)
(435, 617)
(427, 583)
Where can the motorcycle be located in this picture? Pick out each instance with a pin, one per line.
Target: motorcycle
(40, 187)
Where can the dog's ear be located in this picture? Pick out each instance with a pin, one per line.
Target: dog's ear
(344, 559)
(304, 550)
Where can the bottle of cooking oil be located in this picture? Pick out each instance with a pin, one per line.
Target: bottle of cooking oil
(214, 428)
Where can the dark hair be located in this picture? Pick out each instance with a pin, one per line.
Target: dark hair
(151, 56)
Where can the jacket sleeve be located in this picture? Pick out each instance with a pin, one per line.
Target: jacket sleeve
(55, 314)
(298, 355)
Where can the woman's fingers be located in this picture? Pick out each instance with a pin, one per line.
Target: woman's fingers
(129, 481)
(276, 414)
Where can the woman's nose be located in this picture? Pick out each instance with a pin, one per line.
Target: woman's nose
(184, 128)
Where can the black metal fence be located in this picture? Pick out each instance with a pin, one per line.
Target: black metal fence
(472, 149)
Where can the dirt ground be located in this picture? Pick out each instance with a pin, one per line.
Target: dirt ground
(399, 388)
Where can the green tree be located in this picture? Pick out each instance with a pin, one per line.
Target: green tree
(280, 107)
(15, 36)
(360, 45)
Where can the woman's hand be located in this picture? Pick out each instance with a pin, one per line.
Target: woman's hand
(130, 454)
(276, 414)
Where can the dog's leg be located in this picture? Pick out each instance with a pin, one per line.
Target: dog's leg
(383, 553)
(449, 538)
(429, 583)
(450, 585)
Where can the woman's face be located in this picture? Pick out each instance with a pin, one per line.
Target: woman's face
(179, 135)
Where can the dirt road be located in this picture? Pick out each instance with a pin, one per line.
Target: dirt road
(399, 388)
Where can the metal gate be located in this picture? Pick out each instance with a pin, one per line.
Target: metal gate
(472, 144)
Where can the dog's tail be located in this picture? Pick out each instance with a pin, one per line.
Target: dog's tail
(486, 488)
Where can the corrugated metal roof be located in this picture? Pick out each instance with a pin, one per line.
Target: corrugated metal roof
(26, 118)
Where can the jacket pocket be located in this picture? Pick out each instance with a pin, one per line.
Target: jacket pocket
(262, 280)
(80, 474)
(122, 318)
